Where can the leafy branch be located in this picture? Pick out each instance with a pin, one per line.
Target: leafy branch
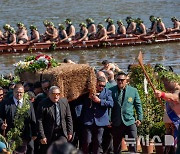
(14, 134)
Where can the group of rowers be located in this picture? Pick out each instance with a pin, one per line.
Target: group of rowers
(89, 31)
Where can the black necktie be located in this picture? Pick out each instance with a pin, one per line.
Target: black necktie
(120, 97)
(57, 114)
(18, 103)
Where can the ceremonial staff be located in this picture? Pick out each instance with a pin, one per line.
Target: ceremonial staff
(140, 60)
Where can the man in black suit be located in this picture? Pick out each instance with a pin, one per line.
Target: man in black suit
(54, 119)
(8, 111)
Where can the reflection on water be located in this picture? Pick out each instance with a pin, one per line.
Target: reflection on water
(166, 54)
(35, 11)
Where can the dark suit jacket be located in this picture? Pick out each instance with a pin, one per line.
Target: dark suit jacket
(8, 111)
(97, 112)
(125, 113)
(46, 118)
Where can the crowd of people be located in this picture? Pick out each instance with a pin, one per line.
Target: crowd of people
(93, 123)
(88, 31)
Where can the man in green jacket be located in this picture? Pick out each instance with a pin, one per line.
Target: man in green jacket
(126, 98)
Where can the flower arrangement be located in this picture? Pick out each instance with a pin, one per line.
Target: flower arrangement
(35, 63)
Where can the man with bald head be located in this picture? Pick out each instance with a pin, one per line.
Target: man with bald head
(111, 82)
(101, 73)
(54, 119)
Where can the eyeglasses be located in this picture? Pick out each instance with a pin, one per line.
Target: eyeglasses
(100, 85)
(121, 80)
(55, 94)
(19, 92)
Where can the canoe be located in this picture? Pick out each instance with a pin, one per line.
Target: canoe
(113, 42)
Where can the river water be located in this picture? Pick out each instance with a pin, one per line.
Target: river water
(35, 11)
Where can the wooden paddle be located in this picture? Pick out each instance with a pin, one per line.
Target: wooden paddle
(140, 60)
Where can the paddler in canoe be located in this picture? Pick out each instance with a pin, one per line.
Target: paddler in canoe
(111, 29)
(11, 40)
(121, 31)
(35, 37)
(1, 37)
(21, 33)
(153, 21)
(52, 32)
(6, 32)
(131, 27)
(101, 34)
(140, 28)
(83, 33)
(4, 35)
(62, 34)
(45, 36)
(91, 28)
(176, 26)
(160, 29)
(70, 29)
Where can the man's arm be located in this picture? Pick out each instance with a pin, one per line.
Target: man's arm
(37, 37)
(2, 114)
(69, 122)
(65, 36)
(93, 29)
(69, 119)
(108, 101)
(33, 121)
(21, 33)
(170, 97)
(112, 30)
(103, 35)
(72, 31)
(163, 28)
(84, 36)
(40, 119)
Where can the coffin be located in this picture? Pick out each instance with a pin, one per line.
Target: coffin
(73, 80)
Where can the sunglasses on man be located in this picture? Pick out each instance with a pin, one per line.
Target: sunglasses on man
(100, 85)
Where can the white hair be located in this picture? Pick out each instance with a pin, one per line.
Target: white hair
(53, 88)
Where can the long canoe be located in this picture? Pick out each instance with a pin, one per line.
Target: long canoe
(55, 46)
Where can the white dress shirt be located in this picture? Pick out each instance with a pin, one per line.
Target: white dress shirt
(20, 102)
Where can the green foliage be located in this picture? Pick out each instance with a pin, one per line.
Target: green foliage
(5, 81)
(14, 134)
(164, 73)
(170, 76)
(16, 79)
(53, 46)
(53, 63)
(152, 110)
(2, 139)
(158, 129)
(29, 58)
